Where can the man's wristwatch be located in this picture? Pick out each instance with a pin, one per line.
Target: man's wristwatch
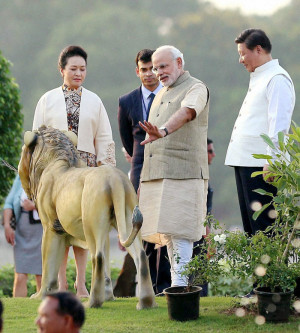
(164, 129)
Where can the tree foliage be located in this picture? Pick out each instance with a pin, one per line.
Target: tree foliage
(11, 121)
(113, 31)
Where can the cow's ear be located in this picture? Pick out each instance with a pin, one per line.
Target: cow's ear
(72, 136)
(30, 138)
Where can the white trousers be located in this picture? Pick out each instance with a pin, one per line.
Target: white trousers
(180, 253)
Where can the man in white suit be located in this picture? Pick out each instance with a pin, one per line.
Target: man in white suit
(267, 108)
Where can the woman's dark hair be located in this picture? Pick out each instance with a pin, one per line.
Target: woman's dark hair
(254, 37)
(68, 52)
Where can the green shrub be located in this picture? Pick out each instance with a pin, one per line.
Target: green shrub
(7, 282)
(11, 122)
(229, 285)
(7, 278)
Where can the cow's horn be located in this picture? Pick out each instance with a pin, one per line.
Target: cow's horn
(72, 136)
(29, 138)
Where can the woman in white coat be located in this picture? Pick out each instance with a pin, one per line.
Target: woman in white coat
(74, 108)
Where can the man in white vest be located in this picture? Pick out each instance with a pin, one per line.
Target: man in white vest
(267, 108)
(174, 177)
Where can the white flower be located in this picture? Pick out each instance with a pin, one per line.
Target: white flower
(296, 242)
(256, 206)
(265, 259)
(296, 305)
(216, 238)
(260, 320)
(220, 238)
(260, 270)
(297, 225)
(240, 312)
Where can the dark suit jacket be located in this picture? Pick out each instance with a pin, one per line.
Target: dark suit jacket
(129, 115)
(210, 193)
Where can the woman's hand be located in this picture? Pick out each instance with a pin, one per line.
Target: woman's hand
(9, 234)
(28, 205)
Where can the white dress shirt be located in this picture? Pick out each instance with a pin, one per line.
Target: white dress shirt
(145, 99)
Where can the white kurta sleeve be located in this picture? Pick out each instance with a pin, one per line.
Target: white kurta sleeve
(281, 97)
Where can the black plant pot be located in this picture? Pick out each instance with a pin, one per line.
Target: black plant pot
(183, 305)
(275, 307)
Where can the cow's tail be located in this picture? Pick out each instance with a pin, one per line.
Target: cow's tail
(137, 221)
(120, 202)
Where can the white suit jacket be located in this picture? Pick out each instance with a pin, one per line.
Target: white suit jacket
(94, 130)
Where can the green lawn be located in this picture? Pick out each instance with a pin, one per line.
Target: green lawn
(121, 316)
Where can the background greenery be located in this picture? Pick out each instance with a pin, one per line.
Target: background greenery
(113, 31)
(7, 278)
(11, 125)
(222, 286)
(120, 316)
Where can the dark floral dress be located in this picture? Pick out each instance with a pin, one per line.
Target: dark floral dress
(73, 99)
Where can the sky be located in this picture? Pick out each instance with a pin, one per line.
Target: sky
(258, 7)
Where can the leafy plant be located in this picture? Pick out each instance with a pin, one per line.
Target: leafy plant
(7, 278)
(11, 121)
(284, 173)
(269, 257)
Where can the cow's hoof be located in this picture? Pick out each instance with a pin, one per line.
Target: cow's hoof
(95, 304)
(36, 295)
(109, 297)
(146, 303)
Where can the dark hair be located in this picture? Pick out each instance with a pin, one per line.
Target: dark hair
(68, 52)
(209, 141)
(69, 304)
(144, 55)
(1, 320)
(254, 37)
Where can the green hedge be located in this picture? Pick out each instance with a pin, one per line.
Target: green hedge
(11, 126)
(7, 278)
(221, 287)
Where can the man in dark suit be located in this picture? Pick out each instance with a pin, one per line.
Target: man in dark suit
(197, 245)
(135, 107)
(210, 156)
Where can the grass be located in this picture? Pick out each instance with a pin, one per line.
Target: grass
(120, 316)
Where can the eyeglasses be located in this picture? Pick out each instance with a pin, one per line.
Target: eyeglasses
(211, 151)
(160, 67)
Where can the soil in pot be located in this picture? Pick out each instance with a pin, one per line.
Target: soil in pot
(275, 307)
(183, 305)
